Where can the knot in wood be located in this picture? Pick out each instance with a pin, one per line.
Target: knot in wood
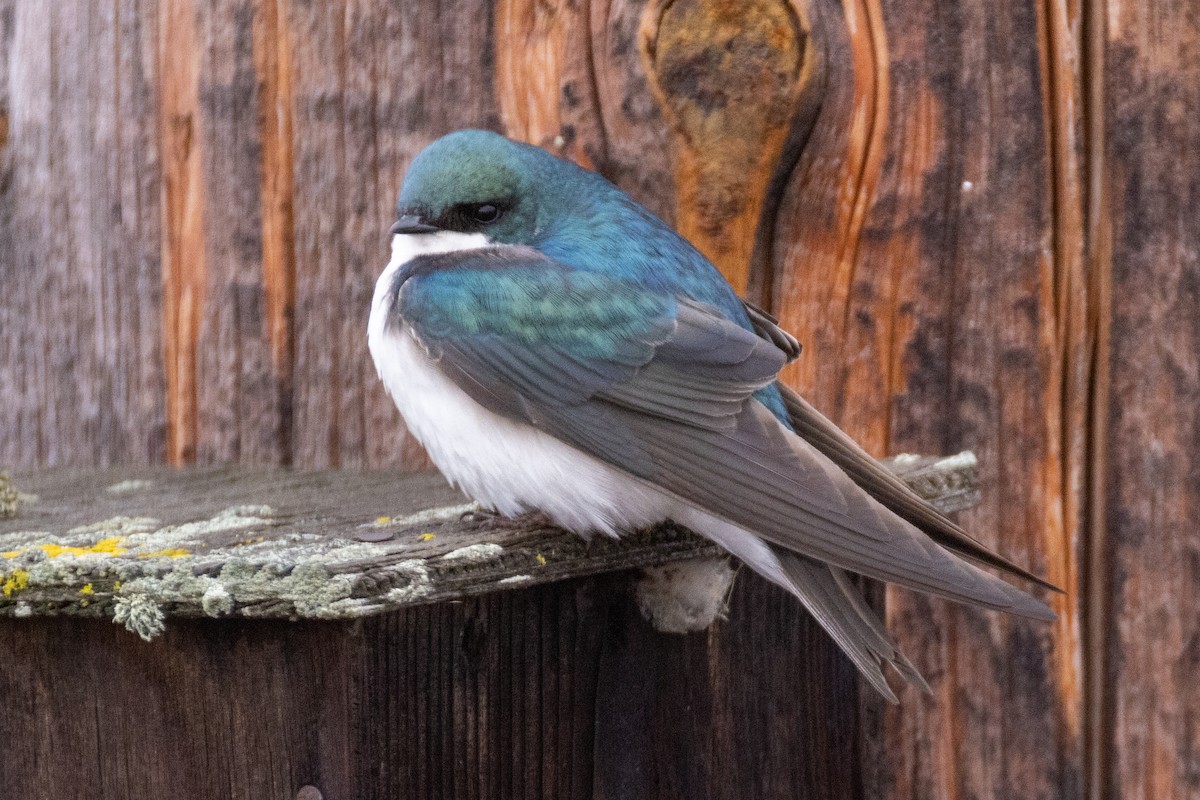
(729, 75)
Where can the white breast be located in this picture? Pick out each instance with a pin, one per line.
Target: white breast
(506, 465)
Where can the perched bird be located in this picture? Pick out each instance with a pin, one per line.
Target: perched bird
(557, 347)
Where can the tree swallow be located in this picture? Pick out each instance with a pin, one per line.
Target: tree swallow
(556, 347)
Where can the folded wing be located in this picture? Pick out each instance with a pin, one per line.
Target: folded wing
(663, 388)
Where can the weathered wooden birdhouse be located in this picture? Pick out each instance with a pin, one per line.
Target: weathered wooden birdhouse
(233, 633)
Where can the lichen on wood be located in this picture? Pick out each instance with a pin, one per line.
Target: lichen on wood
(141, 548)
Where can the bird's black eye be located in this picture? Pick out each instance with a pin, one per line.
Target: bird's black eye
(486, 213)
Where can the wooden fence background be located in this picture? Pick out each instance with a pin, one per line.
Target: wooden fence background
(982, 219)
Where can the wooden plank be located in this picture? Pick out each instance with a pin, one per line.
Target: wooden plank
(916, 260)
(373, 83)
(558, 691)
(1146, 609)
(758, 707)
(273, 68)
(81, 379)
(240, 414)
(245, 710)
(183, 220)
(139, 546)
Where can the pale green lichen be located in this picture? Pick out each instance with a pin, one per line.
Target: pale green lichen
(127, 487)
(432, 516)
(415, 573)
(216, 600)
(139, 614)
(9, 497)
(485, 551)
(137, 569)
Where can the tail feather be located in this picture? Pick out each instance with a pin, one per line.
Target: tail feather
(842, 611)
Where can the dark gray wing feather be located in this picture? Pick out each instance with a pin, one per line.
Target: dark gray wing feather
(887, 488)
(768, 328)
(842, 611)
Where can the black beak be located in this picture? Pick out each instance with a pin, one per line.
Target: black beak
(411, 223)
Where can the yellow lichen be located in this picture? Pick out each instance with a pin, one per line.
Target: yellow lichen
(382, 520)
(11, 554)
(104, 547)
(425, 537)
(18, 580)
(541, 559)
(173, 552)
(87, 589)
(116, 586)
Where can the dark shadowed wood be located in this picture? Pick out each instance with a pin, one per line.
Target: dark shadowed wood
(245, 710)
(561, 691)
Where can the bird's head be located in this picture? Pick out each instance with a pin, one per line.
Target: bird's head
(480, 182)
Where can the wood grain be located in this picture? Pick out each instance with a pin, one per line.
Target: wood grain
(1151, 184)
(558, 691)
(367, 97)
(731, 77)
(975, 217)
(81, 373)
(915, 250)
(273, 69)
(183, 204)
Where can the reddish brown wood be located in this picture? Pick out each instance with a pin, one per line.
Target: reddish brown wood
(273, 69)
(183, 203)
(731, 77)
(916, 260)
(1148, 425)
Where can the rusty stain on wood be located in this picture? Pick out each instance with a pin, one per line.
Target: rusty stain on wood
(545, 46)
(729, 75)
(272, 62)
(1069, 331)
(183, 247)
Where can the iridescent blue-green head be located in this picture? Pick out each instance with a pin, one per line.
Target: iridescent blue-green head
(480, 182)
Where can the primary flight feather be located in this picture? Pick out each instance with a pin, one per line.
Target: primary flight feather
(556, 347)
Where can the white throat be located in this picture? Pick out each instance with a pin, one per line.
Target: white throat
(407, 246)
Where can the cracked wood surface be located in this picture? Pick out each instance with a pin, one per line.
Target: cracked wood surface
(142, 545)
